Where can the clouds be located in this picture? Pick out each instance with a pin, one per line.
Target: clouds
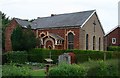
(30, 9)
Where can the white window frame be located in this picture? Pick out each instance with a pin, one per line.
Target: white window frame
(113, 40)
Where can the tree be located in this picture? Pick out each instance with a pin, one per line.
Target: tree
(23, 39)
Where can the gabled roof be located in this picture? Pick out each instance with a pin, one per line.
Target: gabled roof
(60, 20)
(112, 30)
(56, 36)
(23, 23)
(63, 20)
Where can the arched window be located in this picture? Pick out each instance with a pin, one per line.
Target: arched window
(42, 35)
(70, 41)
(87, 42)
(94, 43)
(99, 43)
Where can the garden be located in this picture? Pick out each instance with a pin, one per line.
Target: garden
(32, 63)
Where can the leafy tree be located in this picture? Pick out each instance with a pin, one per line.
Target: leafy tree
(23, 39)
(16, 38)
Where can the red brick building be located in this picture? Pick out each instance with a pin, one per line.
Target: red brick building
(113, 38)
(79, 30)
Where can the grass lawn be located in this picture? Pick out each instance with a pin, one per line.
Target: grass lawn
(38, 73)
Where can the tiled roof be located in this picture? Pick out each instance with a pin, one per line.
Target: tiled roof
(60, 20)
(56, 36)
(63, 20)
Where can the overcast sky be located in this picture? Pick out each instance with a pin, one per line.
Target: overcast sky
(107, 10)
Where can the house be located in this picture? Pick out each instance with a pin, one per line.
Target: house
(113, 37)
(79, 30)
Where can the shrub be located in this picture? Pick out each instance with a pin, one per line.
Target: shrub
(114, 48)
(102, 68)
(13, 71)
(66, 70)
(35, 55)
(16, 56)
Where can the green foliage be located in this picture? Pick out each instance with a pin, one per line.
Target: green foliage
(17, 39)
(92, 68)
(16, 57)
(23, 39)
(67, 70)
(114, 48)
(13, 71)
(35, 55)
(39, 55)
(102, 68)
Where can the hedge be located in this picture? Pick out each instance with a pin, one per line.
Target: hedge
(114, 48)
(15, 57)
(38, 55)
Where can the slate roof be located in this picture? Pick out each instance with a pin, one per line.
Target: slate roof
(23, 23)
(56, 36)
(63, 20)
(60, 20)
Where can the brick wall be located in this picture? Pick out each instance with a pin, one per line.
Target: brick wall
(63, 33)
(113, 34)
(8, 32)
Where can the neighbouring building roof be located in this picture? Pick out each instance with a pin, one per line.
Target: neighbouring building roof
(60, 20)
(112, 30)
(23, 23)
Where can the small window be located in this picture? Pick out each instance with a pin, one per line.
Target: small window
(42, 35)
(59, 42)
(113, 40)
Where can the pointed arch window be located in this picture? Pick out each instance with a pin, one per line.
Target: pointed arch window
(70, 41)
(87, 42)
(94, 43)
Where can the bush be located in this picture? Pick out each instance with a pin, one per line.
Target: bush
(65, 70)
(16, 56)
(114, 48)
(39, 55)
(13, 70)
(102, 68)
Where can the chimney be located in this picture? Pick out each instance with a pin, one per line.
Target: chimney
(38, 17)
(53, 15)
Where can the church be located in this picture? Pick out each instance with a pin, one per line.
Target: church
(78, 30)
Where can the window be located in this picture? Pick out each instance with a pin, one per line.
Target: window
(99, 43)
(70, 41)
(93, 42)
(86, 41)
(59, 42)
(42, 35)
(113, 40)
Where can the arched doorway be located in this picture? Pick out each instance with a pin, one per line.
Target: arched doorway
(49, 43)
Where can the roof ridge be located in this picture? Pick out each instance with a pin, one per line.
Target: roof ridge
(65, 14)
(112, 29)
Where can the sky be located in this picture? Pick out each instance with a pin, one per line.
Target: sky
(107, 10)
